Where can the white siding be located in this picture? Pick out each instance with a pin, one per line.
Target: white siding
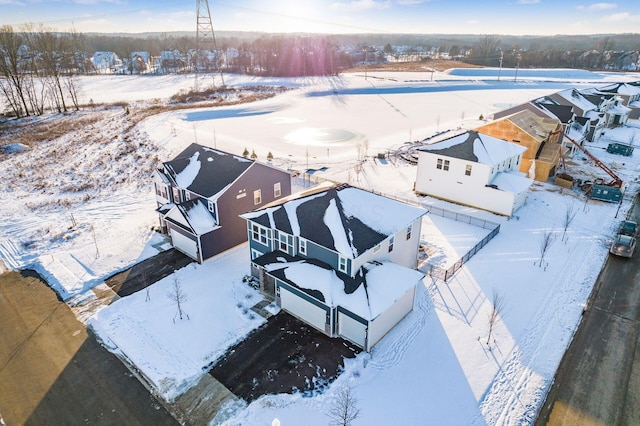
(388, 319)
(306, 311)
(352, 330)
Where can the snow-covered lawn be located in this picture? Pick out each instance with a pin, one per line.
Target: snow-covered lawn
(435, 367)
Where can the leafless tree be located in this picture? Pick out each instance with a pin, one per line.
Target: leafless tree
(545, 242)
(497, 308)
(343, 408)
(569, 215)
(11, 57)
(178, 296)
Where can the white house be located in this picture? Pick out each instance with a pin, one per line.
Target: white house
(475, 170)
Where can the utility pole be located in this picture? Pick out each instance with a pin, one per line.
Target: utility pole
(500, 69)
(515, 77)
(205, 37)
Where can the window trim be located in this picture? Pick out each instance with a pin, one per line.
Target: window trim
(277, 189)
(409, 231)
(257, 197)
(257, 234)
(302, 246)
(343, 265)
(391, 242)
(467, 170)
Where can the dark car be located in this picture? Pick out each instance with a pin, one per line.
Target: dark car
(623, 245)
(629, 228)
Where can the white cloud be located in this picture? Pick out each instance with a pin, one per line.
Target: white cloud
(472, 22)
(621, 18)
(12, 3)
(528, 1)
(595, 7)
(358, 5)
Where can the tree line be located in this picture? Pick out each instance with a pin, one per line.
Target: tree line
(39, 66)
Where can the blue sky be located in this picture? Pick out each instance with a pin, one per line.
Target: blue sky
(517, 17)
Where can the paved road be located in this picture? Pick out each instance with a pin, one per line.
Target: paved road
(598, 380)
(53, 372)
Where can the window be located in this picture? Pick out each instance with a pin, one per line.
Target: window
(257, 196)
(342, 264)
(391, 241)
(286, 242)
(211, 206)
(467, 170)
(439, 164)
(409, 228)
(302, 246)
(255, 254)
(376, 248)
(446, 165)
(161, 190)
(276, 190)
(187, 195)
(176, 195)
(261, 234)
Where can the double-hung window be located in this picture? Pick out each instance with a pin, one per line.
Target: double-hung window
(342, 264)
(409, 229)
(302, 246)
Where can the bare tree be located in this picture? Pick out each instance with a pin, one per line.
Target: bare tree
(343, 408)
(545, 243)
(497, 308)
(569, 215)
(178, 296)
(11, 58)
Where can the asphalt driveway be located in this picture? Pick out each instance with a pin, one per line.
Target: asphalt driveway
(285, 355)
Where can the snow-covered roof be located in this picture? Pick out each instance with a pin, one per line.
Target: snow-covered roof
(476, 147)
(619, 110)
(193, 215)
(577, 99)
(205, 171)
(512, 181)
(621, 89)
(376, 287)
(344, 219)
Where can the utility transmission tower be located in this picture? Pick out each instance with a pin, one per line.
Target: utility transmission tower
(205, 38)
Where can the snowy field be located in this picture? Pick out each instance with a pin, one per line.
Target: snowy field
(436, 366)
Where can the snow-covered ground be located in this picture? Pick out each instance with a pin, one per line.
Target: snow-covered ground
(436, 366)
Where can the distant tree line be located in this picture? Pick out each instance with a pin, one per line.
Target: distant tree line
(38, 67)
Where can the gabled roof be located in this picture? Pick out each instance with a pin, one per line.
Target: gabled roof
(193, 216)
(539, 128)
(344, 219)
(476, 147)
(628, 89)
(564, 113)
(205, 171)
(375, 288)
(577, 99)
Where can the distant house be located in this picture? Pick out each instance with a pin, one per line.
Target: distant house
(140, 62)
(172, 60)
(475, 170)
(106, 62)
(202, 192)
(540, 136)
(582, 107)
(629, 94)
(343, 260)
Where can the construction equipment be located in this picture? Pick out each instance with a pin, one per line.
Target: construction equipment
(600, 190)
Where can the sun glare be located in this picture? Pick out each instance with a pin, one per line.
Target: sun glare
(298, 16)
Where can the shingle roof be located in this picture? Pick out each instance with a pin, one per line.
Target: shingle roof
(205, 171)
(476, 147)
(344, 219)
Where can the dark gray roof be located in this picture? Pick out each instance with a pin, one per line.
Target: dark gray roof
(274, 257)
(564, 113)
(463, 151)
(354, 231)
(217, 170)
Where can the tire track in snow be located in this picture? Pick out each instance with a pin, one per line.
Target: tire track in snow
(502, 403)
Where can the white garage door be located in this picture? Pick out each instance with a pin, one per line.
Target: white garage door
(304, 310)
(352, 330)
(184, 244)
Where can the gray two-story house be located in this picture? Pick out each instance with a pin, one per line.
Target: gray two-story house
(202, 192)
(342, 259)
